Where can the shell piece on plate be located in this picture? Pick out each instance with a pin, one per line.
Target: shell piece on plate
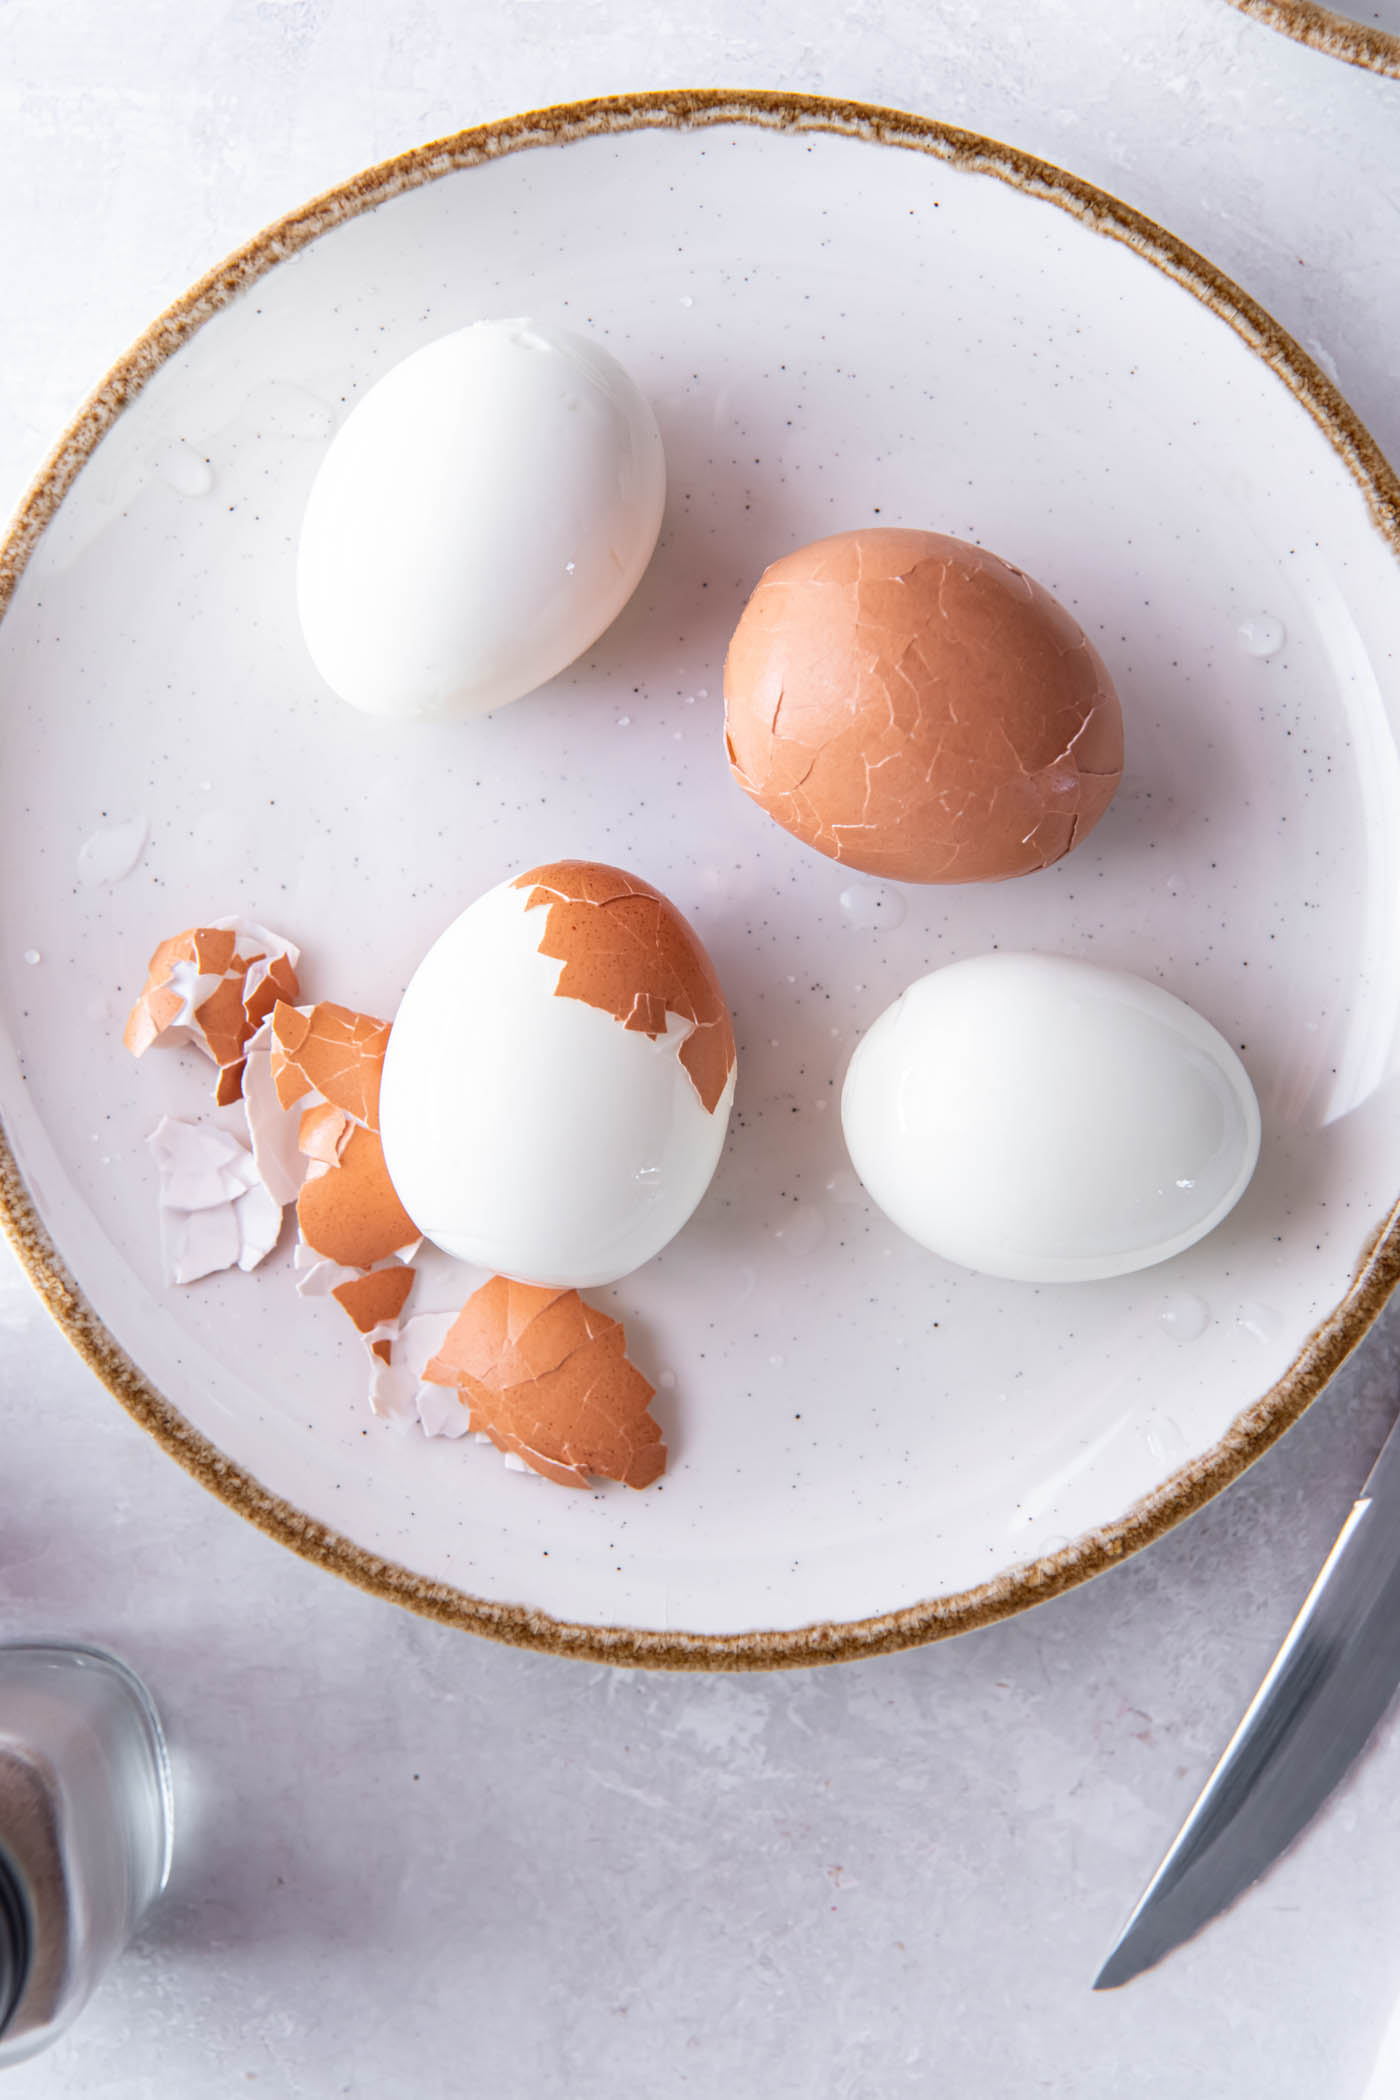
(546, 1378)
(348, 1210)
(211, 988)
(322, 1079)
(307, 1079)
(331, 1051)
(375, 1302)
(215, 1212)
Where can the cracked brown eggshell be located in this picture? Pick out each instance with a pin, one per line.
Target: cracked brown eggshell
(546, 1376)
(917, 708)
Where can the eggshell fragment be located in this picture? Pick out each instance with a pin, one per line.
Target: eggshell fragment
(546, 1378)
(374, 1302)
(331, 1051)
(326, 1060)
(322, 1079)
(349, 1212)
(214, 1211)
(309, 1079)
(272, 1130)
(398, 1394)
(323, 1132)
(625, 948)
(211, 988)
(917, 708)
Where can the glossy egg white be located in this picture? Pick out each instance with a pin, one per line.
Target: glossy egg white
(483, 513)
(1049, 1120)
(534, 1134)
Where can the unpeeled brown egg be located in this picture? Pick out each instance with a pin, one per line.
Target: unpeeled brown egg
(917, 708)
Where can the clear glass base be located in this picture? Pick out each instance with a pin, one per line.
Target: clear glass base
(86, 1822)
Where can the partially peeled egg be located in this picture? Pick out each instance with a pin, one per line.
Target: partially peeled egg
(559, 1078)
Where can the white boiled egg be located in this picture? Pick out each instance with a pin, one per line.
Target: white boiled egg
(1049, 1120)
(483, 513)
(559, 1077)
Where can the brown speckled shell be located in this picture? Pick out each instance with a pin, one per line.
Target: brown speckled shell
(919, 709)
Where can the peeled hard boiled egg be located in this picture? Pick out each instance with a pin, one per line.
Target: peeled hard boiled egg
(559, 1077)
(480, 517)
(1049, 1120)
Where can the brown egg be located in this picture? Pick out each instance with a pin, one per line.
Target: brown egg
(917, 708)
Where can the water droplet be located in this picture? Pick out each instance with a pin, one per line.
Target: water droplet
(1054, 1542)
(709, 879)
(1261, 635)
(184, 469)
(801, 1230)
(690, 699)
(873, 904)
(1164, 1440)
(207, 786)
(678, 736)
(624, 721)
(748, 1281)
(107, 855)
(1187, 1184)
(32, 955)
(649, 1177)
(569, 567)
(1184, 1316)
(666, 1379)
(777, 1362)
(844, 1187)
(702, 692)
(819, 1105)
(1259, 1320)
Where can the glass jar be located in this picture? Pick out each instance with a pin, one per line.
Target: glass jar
(85, 1827)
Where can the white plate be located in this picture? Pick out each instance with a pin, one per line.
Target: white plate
(1366, 34)
(840, 316)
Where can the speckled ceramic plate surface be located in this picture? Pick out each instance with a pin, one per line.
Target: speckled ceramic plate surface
(1366, 35)
(842, 316)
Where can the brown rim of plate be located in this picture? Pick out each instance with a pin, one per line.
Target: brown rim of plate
(1187, 1490)
(1378, 50)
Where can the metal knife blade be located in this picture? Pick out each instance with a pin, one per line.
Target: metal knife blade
(1328, 1686)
